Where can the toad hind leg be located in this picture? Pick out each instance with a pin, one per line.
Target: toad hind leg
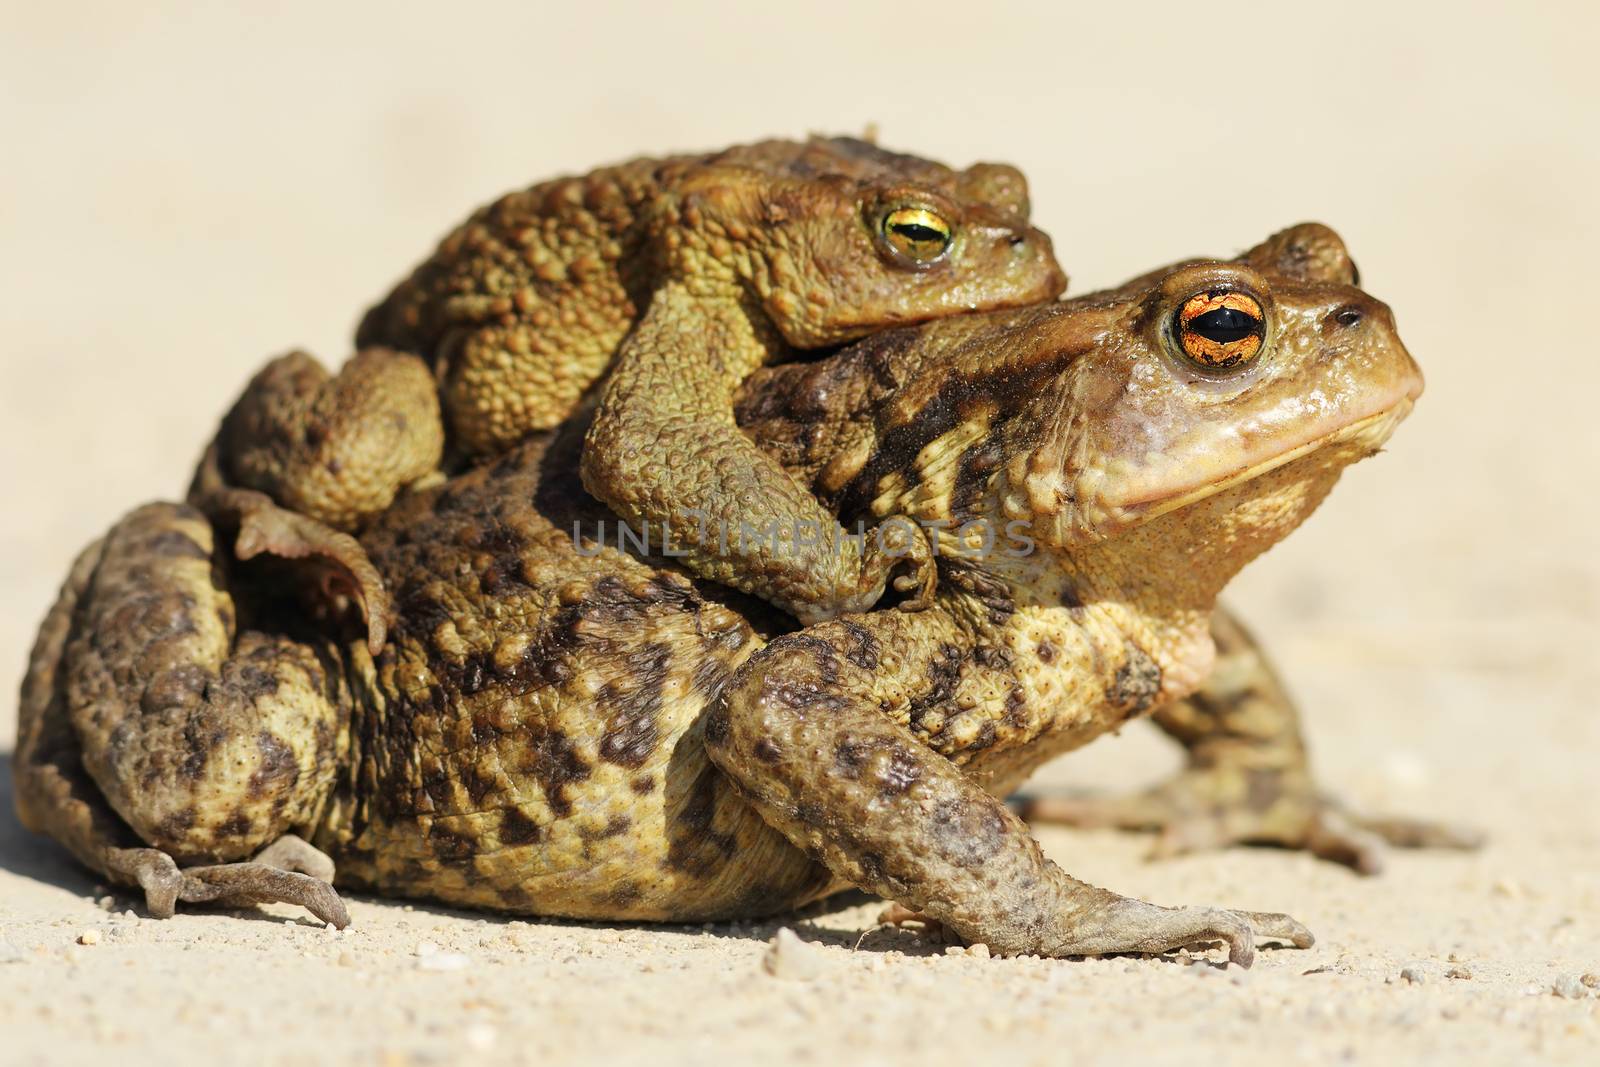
(125, 659)
(1248, 777)
(337, 448)
(800, 729)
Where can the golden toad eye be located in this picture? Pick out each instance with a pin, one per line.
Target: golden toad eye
(1220, 329)
(917, 234)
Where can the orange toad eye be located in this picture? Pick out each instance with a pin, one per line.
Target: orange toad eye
(1220, 329)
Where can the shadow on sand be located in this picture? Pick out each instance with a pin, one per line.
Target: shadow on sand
(30, 855)
(34, 856)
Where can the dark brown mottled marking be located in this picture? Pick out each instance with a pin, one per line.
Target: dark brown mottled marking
(799, 697)
(695, 846)
(1137, 683)
(717, 726)
(472, 675)
(451, 847)
(197, 750)
(986, 737)
(708, 677)
(623, 894)
(517, 829)
(421, 612)
(1046, 651)
(849, 755)
(899, 445)
(435, 784)
(177, 824)
(277, 769)
(901, 770)
(503, 576)
(614, 827)
(808, 814)
(644, 785)
(767, 751)
(256, 684)
(516, 897)
(872, 865)
(238, 825)
(543, 663)
(1016, 707)
(180, 687)
(554, 763)
(478, 783)
(1069, 596)
(484, 732)
(978, 464)
(944, 673)
(993, 657)
(632, 731)
(862, 647)
(968, 835)
(824, 655)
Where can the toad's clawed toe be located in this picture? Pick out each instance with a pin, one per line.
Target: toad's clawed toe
(900, 915)
(291, 853)
(165, 884)
(1133, 926)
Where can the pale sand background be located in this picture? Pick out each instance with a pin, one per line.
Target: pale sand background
(183, 195)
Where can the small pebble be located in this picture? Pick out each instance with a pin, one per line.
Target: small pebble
(89, 937)
(443, 961)
(979, 950)
(347, 959)
(425, 948)
(1570, 987)
(1591, 980)
(1414, 973)
(791, 958)
(1459, 972)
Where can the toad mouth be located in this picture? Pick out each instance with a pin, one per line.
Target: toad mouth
(1371, 430)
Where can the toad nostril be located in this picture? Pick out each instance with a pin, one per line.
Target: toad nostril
(1348, 316)
(1017, 240)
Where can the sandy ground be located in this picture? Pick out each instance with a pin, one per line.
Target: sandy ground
(186, 195)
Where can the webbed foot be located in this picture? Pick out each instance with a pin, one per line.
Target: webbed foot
(1203, 808)
(1134, 926)
(343, 570)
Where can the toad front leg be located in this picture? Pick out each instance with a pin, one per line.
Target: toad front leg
(1248, 778)
(664, 451)
(802, 730)
(163, 752)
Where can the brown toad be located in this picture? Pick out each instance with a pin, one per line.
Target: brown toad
(680, 276)
(560, 727)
